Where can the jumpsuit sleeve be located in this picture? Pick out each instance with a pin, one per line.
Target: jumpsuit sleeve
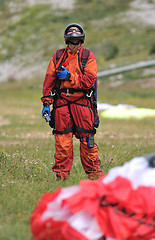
(89, 77)
(49, 82)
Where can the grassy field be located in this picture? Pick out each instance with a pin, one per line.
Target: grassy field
(30, 35)
(27, 144)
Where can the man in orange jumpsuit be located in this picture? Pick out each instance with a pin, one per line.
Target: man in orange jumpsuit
(69, 89)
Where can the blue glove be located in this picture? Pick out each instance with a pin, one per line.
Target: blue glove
(63, 74)
(46, 109)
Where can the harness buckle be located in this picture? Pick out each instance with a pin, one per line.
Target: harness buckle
(67, 95)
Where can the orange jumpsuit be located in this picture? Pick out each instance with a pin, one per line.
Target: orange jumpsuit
(73, 115)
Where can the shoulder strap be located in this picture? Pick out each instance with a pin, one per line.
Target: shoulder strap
(82, 63)
(83, 58)
(59, 53)
(60, 56)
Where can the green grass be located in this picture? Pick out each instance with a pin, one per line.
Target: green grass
(27, 143)
(27, 146)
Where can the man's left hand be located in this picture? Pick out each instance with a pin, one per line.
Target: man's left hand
(63, 74)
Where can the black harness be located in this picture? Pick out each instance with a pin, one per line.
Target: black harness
(89, 95)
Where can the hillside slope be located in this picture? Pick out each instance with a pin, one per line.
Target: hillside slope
(31, 31)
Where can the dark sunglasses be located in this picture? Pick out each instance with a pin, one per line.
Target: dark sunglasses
(71, 30)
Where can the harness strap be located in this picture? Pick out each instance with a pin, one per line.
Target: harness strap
(70, 90)
(69, 102)
(83, 59)
(79, 129)
(63, 132)
(67, 60)
(45, 96)
(60, 59)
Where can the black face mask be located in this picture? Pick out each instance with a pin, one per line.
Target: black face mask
(77, 43)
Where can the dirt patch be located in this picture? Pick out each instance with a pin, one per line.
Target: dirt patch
(116, 83)
(149, 71)
(139, 83)
(4, 122)
(149, 83)
(6, 143)
(65, 4)
(37, 135)
(141, 11)
(142, 83)
(120, 136)
(16, 6)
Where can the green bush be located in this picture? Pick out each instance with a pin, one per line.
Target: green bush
(152, 49)
(109, 50)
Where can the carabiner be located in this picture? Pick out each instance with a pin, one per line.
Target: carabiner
(89, 94)
(53, 92)
(67, 95)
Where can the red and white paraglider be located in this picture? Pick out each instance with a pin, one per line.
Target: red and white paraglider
(119, 206)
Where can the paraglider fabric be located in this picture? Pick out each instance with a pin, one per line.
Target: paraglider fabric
(123, 113)
(119, 206)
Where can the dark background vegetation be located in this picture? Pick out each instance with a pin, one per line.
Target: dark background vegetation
(37, 31)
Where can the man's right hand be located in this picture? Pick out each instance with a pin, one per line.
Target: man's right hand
(46, 109)
(63, 74)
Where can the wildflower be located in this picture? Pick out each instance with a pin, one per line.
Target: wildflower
(28, 170)
(11, 161)
(75, 165)
(19, 215)
(11, 182)
(0, 163)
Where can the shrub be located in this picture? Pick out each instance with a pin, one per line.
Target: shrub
(152, 49)
(109, 50)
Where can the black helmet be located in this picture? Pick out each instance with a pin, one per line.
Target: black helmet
(74, 35)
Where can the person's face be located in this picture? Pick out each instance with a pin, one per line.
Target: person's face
(73, 29)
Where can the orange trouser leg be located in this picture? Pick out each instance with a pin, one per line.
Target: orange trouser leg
(90, 160)
(63, 154)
